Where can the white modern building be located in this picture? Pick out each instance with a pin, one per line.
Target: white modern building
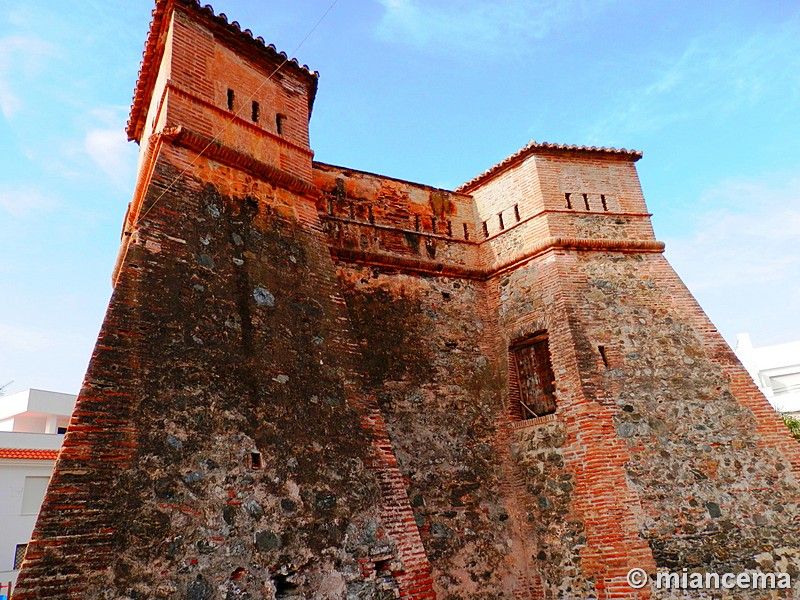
(776, 371)
(32, 427)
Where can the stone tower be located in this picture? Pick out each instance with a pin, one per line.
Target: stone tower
(316, 382)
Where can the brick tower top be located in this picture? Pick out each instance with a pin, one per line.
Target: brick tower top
(208, 86)
(203, 74)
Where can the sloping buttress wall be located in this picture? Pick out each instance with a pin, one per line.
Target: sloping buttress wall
(219, 444)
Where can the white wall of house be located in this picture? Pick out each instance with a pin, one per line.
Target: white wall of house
(776, 371)
(30, 421)
(21, 494)
(35, 411)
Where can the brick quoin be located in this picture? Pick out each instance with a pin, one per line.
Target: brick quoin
(308, 383)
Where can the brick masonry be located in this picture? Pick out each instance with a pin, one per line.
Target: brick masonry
(304, 385)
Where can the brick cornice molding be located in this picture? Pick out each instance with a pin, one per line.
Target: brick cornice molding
(429, 267)
(215, 150)
(615, 245)
(581, 244)
(405, 263)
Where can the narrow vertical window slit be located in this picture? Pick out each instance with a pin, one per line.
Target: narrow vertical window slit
(602, 351)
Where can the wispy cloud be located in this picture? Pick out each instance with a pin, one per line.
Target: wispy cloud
(106, 144)
(493, 27)
(24, 200)
(754, 240)
(715, 76)
(95, 142)
(107, 148)
(20, 58)
(743, 261)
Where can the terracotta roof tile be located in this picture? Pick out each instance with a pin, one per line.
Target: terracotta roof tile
(532, 147)
(28, 454)
(222, 19)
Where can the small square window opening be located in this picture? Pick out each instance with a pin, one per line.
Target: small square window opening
(255, 460)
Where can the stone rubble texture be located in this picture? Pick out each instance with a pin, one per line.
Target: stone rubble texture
(303, 386)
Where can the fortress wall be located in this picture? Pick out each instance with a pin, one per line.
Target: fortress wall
(255, 465)
(715, 487)
(309, 381)
(232, 341)
(424, 345)
(380, 219)
(770, 426)
(223, 443)
(579, 512)
(74, 540)
(526, 302)
(584, 464)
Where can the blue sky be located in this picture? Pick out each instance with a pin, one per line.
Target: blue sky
(433, 91)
